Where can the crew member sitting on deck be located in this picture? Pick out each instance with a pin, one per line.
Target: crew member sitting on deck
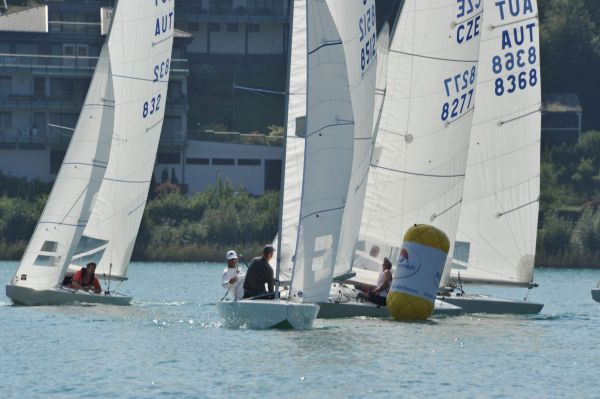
(260, 273)
(84, 279)
(384, 281)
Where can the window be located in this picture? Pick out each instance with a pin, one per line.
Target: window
(214, 27)
(223, 161)
(249, 162)
(232, 28)
(69, 49)
(197, 161)
(83, 50)
(193, 26)
(5, 120)
(175, 90)
(5, 84)
(167, 158)
(39, 87)
(252, 28)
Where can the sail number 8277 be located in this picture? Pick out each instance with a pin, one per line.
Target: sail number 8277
(150, 107)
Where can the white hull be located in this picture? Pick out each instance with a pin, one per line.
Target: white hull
(61, 296)
(264, 314)
(596, 294)
(486, 304)
(333, 310)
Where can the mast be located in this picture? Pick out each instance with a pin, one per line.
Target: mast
(285, 139)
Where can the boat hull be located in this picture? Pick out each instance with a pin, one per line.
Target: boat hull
(265, 314)
(486, 304)
(596, 294)
(333, 310)
(61, 296)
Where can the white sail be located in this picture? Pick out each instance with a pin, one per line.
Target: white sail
(140, 46)
(329, 143)
(70, 202)
(360, 49)
(383, 47)
(294, 149)
(498, 222)
(418, 163)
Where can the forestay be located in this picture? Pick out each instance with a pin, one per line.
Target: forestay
(77, 183)
(140, 48)
(498, 223)
(418, 164)
(334, 43)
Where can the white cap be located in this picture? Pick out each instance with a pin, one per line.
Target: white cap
(231, 255)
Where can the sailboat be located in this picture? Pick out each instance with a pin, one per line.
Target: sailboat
(596, 293)
(326, 157)
(499, 216)
(419, 156)
(96, 203)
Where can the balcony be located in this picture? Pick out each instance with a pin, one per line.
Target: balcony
(193, 10)
(64, 65)
(236, 138)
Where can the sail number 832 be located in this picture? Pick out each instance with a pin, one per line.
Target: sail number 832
(150, 107)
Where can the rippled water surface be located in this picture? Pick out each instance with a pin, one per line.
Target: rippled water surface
(170, 343)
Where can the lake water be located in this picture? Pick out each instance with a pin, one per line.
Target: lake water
(170, 343)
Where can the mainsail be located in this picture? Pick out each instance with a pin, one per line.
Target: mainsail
(337, 32)
(498, 222)
(419, 159)
(140, 49)
(75, 188)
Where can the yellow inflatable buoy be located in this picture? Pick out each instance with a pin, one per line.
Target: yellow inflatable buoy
(417, 277)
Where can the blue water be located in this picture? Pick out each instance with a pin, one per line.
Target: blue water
(170, 343)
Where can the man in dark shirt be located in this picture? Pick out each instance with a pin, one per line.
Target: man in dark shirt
(260, 273)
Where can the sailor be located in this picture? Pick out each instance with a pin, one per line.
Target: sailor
(384, 281)
(260, 273)
(233, 277)
(84, 279)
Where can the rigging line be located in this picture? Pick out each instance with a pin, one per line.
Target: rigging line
(431, 58)
(492, 27)
(414, 173)
(263, 91)
(325, 45)
(321, 211)
(502, 123)
(500, 214)
(435, 215)
(332, 125)
(138, 78)
(162, 40)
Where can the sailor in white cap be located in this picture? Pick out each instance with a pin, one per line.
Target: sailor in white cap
(233, 277)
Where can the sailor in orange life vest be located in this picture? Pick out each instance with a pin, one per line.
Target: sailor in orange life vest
(84, 279)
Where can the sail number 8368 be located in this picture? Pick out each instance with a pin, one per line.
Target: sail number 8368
(150, 107)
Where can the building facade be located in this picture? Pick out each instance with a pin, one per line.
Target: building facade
(47, 58)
